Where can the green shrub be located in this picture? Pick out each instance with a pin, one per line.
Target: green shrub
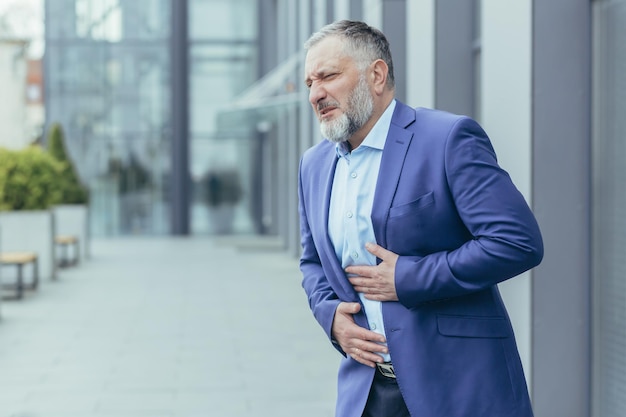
(29, 180)
(73, 191)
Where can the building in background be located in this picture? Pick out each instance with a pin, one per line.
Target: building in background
(21, 108)
(35, 110)
(22, 114)
(14, 126)
(165, 101)
(107, 83)
(113, 74)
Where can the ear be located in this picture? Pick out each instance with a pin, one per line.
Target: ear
(379, 75)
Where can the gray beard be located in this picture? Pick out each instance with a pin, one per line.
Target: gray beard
(359, 111)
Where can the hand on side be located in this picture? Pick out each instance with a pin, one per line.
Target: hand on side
(361, 344)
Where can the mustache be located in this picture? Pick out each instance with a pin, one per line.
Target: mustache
(323, 104)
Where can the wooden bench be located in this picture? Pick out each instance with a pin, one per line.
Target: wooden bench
(20, 259)
(64, 242)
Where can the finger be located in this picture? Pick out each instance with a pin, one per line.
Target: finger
(365, 285)
(378, 251)
(359, 281)
(348, 308)
(369, 340)
(375, 345)
(362, 270)
(367, 358)
(375, 296)
(366, 362)
(373, 348)
(381, 297)
(362, 290)
(362, 360)
(369, 291)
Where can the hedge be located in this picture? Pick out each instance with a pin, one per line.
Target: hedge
(29, 180)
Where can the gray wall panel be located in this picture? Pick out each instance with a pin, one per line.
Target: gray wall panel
(561, 197)
(454, 65)
(394, 28)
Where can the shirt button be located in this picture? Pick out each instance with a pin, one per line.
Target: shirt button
(353, 175)
(372, 326)
(355, 255)
(349, 214)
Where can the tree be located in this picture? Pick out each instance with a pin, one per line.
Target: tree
(29, 179)
(74, 192)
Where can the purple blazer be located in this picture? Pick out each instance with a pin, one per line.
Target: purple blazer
(460, 227)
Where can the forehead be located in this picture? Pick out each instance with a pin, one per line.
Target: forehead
(328, 53)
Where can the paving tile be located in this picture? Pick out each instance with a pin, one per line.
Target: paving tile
(140, 400)
(44, 400)
(12, 395)
(167, 327)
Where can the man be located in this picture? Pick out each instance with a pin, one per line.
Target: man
(407, 225)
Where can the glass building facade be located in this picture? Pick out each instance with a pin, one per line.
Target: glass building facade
(223, 63)
(107, 83)
(109, 67)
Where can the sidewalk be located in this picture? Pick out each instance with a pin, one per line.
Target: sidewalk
(176, 327)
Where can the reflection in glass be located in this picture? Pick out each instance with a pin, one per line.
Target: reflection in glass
(223, 63)
(107, 68)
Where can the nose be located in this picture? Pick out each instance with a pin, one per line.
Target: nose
(316, 93)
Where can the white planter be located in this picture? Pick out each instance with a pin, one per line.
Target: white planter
(1, 295)
(222, 218)
(29, 231)
(73, 219)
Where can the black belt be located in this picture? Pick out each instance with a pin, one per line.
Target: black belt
(386, 369)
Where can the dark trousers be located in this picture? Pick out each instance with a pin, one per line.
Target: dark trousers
(385, 399)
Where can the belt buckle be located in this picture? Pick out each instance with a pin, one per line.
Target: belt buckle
(386, 369)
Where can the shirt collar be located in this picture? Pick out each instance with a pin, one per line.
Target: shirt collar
(376, 138)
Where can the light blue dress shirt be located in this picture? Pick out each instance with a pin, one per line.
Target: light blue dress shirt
(349, 222)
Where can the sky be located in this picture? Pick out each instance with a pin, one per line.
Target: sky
(23, 19)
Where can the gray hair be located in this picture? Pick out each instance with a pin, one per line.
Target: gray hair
(364, 43)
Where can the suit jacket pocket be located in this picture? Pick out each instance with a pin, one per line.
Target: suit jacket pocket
(422, 201)
(470, 326)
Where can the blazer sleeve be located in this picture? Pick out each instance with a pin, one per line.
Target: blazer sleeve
(505, 242)
(323, 300)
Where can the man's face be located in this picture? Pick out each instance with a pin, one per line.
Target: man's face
(338, 92)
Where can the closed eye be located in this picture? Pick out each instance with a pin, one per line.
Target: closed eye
(324, 77)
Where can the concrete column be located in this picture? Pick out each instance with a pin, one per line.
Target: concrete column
(454, 57)
(179, 64)
(561, 290)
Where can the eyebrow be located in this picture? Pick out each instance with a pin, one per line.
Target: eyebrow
(321, 73)
(310, 77)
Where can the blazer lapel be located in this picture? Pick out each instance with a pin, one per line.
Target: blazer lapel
(339, 275)
(394, 155)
